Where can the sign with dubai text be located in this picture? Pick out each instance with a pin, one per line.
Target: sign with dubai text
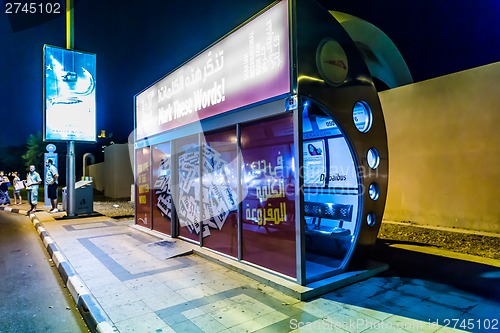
(248, 66)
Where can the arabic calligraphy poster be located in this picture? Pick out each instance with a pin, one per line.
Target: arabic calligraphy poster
(188, 204)
(70, 88)
(220, 188)
(269, 207)
(248, 66)
(142, 187)
(219, 197)
(162, 188)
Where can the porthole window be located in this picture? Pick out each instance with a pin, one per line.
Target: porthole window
(374, 191)
(362, 116)
(371, 219)
(373, 158)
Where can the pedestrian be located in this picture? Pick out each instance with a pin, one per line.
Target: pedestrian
(4, 189)
(51, 177)
(18, 185)
(32, 181)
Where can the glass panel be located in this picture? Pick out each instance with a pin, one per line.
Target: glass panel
(219, 195)
(331, 193)
(188, 202)
(362, 116)
(142, 191)
(371, 219)
(374, 191)
(373, 158)
(162, 188)
(268, 214)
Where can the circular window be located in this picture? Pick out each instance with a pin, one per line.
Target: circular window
(373, 158)
(371, 219)
(374, 191)
(331, 61)
(362, 116)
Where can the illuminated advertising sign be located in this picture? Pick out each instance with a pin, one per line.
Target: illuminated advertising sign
(69, 95)
(248, 66)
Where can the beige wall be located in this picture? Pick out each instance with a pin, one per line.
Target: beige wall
(113, 176)
(118, 171)
(444, 150)
(96, 171)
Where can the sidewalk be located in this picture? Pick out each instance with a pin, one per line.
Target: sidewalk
(126, 280)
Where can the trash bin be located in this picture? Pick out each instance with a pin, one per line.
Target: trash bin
(84, 197)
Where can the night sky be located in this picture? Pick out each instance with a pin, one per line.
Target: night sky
(138, 42)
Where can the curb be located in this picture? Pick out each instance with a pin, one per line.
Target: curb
(96, 319)
(94, 316)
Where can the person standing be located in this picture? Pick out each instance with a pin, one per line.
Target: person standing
(32, 181)
(4, 189)
(18, 185)
(51, 177)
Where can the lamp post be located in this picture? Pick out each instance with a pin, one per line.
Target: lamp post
(70, 156)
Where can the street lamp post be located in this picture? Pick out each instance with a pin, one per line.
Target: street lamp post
(70, 157)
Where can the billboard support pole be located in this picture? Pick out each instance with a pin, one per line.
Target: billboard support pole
(70, 157)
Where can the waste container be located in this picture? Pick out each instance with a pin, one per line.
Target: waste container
(84, 197)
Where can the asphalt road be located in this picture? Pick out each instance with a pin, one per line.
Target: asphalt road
(32, 295)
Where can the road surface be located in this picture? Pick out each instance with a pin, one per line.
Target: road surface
(32, 295)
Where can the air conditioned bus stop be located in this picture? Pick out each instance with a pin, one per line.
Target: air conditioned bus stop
(268, 147)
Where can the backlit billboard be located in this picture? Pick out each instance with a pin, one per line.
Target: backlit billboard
(251, 64)
(69, 95)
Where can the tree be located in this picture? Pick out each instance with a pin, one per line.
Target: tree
(34, 151)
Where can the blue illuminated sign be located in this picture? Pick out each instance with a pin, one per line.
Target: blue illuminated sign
(69, 95)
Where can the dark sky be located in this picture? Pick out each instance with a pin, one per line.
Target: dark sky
(138, 42)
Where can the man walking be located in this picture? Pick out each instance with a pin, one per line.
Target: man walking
(51, 180)
(32, 181)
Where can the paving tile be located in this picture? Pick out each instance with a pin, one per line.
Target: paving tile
(433, 311)
(182, 283)
(231, 317)
(138, 282)
(196, 291)
(103, 290)
(408, 324)
(193, 313)
(251, 306)
(290, 323)
(319, 307)
(261, 322)
(148, 323)
(160, 290)
(453, 301)
(387, 282)
(350, 320)
(128, 311)
(157, 303)
(111, 300)
(486, 310)
(363, 288)
(225, 284)
(216, 306)
(317, 326)
(171, 275)
(420, 291)
(208, 324)
(438, 287)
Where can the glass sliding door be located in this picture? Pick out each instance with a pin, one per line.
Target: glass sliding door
(162, 188)
(219, 192)
(268, 210)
